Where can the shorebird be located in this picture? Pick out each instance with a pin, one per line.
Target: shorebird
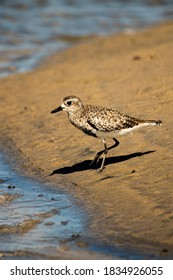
(100, 122)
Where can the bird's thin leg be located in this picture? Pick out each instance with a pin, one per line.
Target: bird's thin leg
(97, 156)
(105, 151)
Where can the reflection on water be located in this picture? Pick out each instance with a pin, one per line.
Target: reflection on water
(33, 29)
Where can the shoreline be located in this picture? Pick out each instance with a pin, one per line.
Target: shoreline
(131, 199)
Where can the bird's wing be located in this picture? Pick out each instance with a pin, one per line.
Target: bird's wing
(109, 120)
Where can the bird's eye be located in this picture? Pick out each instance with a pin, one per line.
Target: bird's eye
(69, 103)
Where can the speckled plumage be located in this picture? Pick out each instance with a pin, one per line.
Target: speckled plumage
(100, 122)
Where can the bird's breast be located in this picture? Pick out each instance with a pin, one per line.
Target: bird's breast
(81, 123)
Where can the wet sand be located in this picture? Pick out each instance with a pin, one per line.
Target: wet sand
(130, 203)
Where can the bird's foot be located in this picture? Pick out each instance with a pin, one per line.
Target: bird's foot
(100, 169)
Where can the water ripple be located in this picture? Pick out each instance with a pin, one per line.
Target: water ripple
(32, 30)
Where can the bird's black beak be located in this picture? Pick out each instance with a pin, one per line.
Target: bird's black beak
(56, 110)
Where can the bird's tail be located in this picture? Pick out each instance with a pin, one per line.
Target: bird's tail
(152, 122)
(159, 122)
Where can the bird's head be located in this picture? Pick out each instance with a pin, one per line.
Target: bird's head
(71, 104)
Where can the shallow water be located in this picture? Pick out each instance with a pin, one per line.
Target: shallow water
(35, 218)
(31, 30)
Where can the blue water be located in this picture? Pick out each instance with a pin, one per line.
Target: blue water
(58, 216)
(33, 29)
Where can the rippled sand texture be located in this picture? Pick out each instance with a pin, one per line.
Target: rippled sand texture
(130, 203)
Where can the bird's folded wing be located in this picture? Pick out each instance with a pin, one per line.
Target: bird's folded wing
(111, 122)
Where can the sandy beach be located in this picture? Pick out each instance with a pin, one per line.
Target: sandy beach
(129, 204)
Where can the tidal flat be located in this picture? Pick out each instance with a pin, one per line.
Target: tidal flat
(129, 205)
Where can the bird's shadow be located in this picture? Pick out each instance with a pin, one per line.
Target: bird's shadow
(86, 164)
